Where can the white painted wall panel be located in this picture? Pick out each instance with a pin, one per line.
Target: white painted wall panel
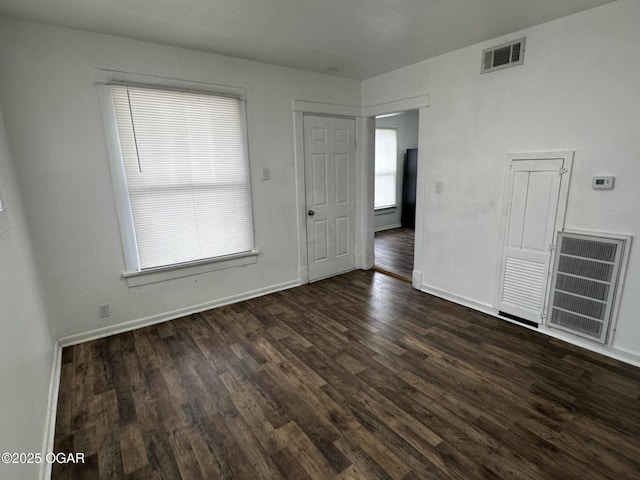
(26, 343)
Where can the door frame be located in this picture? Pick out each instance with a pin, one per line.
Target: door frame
(561, 212)
(420, 103)
(365, 175)
(300, 109)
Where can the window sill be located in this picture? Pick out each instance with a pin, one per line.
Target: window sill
(162, 274)
(385, 210)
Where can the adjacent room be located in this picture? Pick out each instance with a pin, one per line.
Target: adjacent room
(362, 240)
(396, 170)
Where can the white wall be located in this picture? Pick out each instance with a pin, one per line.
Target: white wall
(406, 125)
(26, 344)
(577, 90)
(57, 138)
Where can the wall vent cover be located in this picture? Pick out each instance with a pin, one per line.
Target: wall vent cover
(503, 56)
(585, 280)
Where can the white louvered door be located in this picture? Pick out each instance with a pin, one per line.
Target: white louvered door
(532, 198)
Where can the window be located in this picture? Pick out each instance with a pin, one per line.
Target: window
(386, 168)
(185, 167)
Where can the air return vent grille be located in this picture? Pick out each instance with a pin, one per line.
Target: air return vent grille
(503, 56)
(584, 284)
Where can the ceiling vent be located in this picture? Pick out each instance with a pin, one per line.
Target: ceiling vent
(503, 56)
(585, 283)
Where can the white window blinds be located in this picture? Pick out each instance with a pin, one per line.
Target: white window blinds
(386, 168)
(186, 167)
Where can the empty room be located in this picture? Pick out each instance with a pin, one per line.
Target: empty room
(385, 239)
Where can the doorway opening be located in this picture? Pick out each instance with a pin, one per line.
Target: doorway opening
(396, 155)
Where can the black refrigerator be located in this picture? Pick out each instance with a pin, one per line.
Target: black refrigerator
(409, 179)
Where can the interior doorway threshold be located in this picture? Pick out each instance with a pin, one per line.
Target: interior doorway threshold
(392, 274)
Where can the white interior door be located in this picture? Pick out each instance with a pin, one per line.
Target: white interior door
(533, 193)
(329, 157)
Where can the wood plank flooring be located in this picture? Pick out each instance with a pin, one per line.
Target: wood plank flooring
(394, 251)
(354, 377)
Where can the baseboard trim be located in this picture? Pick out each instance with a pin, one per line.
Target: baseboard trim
(459, 299)
(364, 261)
(76, 338)
(611, 352)
(629, 356)
(616, 353)
(416, 279)
(52, 410)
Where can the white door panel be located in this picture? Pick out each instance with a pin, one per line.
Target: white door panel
(329, 151)
(319, 186)
(532, 204)
(518, 207)
(542, 200)
(342, 236)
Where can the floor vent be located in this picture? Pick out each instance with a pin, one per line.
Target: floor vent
(503, 56)
(585, 280)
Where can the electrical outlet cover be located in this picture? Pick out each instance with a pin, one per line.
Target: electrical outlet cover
(103, 310)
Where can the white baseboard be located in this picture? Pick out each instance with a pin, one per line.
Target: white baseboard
(459, 299)
(364, 261)
(627, 356)
(608, 351)
(52, 407)
(620, 354)
(369, 259)
(73, 339)
(387, 227)
(416, 279)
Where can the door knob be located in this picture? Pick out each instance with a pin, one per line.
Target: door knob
(311, 213)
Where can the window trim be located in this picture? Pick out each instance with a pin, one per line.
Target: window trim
(132, 273)
(385, 210)
(390, 208)
(181, 270)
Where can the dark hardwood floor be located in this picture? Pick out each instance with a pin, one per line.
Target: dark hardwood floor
(394, 251)
(354, 377)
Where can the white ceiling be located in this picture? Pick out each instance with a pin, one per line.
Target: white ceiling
(350, 38)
